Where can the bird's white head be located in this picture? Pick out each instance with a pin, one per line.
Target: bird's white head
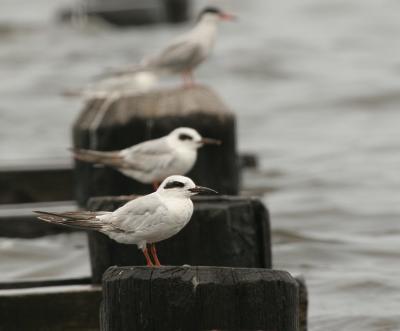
(214, 14)
(189, 138)
(181, 187)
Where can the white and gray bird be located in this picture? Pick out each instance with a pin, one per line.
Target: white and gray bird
(154, 160)
(146, 220)
(185, 52)
(181, 56)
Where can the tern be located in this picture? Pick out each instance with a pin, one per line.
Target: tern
(185, 52)
(146, 220)
(154, 160)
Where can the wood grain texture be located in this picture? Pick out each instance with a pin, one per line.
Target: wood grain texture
(133, 119)
(303, 303)
(198, 298)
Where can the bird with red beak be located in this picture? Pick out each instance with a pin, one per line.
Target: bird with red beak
(186, 52)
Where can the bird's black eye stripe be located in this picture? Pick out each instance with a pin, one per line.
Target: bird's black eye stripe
(174, 184)
(213, 10)
(184, 136)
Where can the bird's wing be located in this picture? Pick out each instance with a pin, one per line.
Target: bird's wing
(112, 159)
(138, 214)
(85, 220)
(177, 54)
(149, 155)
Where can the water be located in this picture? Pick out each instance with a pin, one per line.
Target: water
(315, 85)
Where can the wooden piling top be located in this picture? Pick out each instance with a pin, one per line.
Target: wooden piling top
(198, 298)
(154, 104)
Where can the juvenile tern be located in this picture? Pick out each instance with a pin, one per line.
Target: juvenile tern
(187, 51)
(154, 160)
(146, 220)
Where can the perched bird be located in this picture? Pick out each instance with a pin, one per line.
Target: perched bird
(186, 52)
(145, 220)
(154, 160)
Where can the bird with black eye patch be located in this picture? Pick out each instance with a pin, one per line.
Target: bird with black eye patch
(154, 160)
(186, 52)
(146, 220)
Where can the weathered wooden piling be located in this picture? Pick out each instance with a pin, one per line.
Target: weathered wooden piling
(177, 11)
(47, 181)
(303, 303)
(223, 231)
(116, 124)
(56, 308)
(125, 13)
(198, 298)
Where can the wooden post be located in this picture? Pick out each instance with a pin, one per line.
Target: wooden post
(177, 10)
(125, 121)
(224, 231)
(54, 308)
(198, 298)
(49, 181)
(303, 303)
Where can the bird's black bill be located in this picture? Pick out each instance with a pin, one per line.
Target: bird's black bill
(202, 189)
(210, 141)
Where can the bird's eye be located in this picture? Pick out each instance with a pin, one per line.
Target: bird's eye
(174, 184)
(184, 136)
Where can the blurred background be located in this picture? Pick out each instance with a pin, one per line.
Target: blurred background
(315, 86)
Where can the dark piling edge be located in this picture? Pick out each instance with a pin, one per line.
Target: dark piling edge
(303, 303)
(198, 298)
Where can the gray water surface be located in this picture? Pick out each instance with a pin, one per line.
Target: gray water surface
(315, 86)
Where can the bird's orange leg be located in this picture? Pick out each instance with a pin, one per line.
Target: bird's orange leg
(147, 256)
(156, 185)
(188, 81)
(154, 253)
(185, 80)
(191, 78)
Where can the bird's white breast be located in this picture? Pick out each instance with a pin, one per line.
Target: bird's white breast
(184, 160)
(168, 217)
(179, 213)
(205, 35)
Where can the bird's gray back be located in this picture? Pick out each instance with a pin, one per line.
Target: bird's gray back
(149, 155)
(138, 213)
(183, 55)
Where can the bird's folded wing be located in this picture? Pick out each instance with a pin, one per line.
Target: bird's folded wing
(149, 155)
(177, 54)
(127, 70)
(138, 214)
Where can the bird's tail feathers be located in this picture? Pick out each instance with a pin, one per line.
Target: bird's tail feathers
(141, 77)
(80, 220)
(112, 159)
(146, 80)
(72, 93)
(117, 72)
